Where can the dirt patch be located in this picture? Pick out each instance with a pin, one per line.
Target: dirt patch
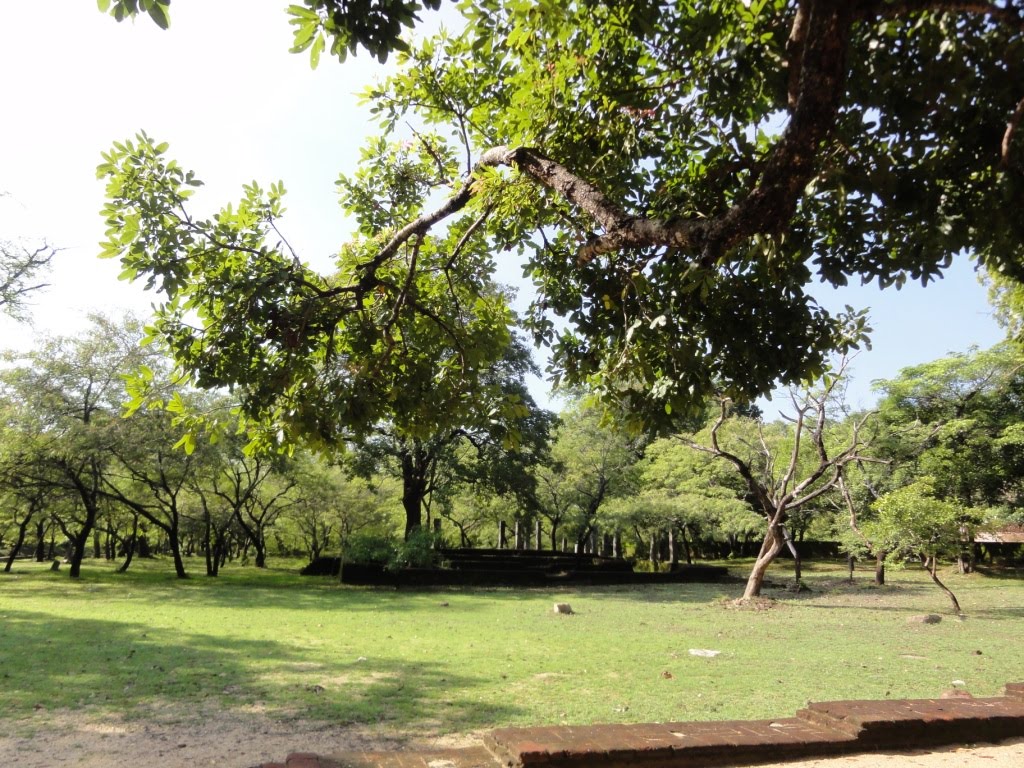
(751, 604)
(189, 739)
(176, 739)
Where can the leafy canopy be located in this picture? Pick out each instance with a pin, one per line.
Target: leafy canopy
(674, 177)
(408, 339)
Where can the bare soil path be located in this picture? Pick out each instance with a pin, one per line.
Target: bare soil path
(232, 740)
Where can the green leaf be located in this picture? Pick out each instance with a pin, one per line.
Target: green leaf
(188, 442)
(158, 12)
(316, 50)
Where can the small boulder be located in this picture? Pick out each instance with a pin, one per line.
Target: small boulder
(563, 608)
(925, 618)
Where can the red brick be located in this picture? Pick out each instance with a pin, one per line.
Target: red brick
(824, 728)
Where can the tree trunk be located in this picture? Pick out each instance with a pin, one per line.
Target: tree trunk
(935, 577)
(880, 569)
(260, 545)
(797, 562)
(173, 540)
(79, 543)
(851, 562)
(41, 540)
(208, 536)
(686, 546)
(770, 549)
(129, 550)
(414, 489)
(16, 547)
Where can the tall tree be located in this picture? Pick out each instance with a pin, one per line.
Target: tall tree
(488, 437)
(592, 463)
(150, 476)
(957, 422)
(783, 472)
(912, 523)
(418, 344)
(690, 494)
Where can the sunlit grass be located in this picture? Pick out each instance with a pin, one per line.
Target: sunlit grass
(144, 644)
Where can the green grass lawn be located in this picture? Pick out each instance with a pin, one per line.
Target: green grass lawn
(442, 661)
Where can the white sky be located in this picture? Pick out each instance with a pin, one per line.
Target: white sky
(235, 106)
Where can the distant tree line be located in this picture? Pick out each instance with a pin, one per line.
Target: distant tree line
(102, 455)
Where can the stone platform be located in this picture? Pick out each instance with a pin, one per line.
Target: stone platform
(820, 730)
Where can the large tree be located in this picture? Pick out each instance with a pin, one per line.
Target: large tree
(675, 175)
(787, 465)
(592, 462)
(487, 439)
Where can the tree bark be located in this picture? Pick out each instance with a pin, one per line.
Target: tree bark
(770, 549)
(41, 540)
(18, 541)
(791, 546)
(932, 571)
(686, 546)
(79, 542)
(415, 481)
(130, 545)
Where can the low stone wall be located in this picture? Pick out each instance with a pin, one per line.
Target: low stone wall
(821, 730)
(377, 575)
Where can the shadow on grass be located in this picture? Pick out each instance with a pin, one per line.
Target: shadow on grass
(998, 614)
(246, 589)
(1012, 573)
(105, 667)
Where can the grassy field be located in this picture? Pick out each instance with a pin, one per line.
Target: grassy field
(451, 661)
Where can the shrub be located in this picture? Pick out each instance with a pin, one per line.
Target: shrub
(371, 549)
(417, 551)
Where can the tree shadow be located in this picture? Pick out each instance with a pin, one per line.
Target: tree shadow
(101, 667)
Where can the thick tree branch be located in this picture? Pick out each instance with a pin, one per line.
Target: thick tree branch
(489, 159)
